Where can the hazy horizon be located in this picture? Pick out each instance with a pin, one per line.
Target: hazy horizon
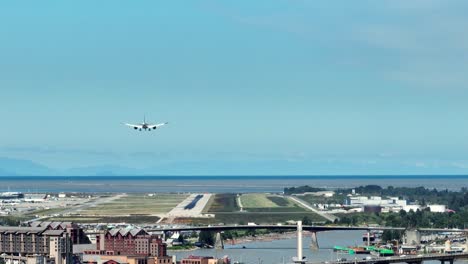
(251, 88)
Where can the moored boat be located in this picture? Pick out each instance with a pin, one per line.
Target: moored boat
(382, 252)
(361, 250)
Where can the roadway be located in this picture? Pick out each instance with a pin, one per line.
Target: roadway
(277, 227)
(197, 211)
(312, 228)
(399, 259)
(239, 203)
(327, 216)
(81, 207)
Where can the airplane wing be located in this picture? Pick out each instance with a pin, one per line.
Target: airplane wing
(158, 125)
(134, 126)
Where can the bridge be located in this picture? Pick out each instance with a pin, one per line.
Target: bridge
(218, 229)
(219, 244)
(406, 259)
(312, 228)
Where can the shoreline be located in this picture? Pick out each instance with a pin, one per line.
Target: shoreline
(250, 239)
(263, 238)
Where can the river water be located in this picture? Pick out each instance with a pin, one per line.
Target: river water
(273, 252)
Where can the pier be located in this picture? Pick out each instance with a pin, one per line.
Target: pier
(417, 259)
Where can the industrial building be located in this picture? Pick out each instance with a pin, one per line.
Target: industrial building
(391, 204)
(11, 195)
(374, 200)
(437, 208)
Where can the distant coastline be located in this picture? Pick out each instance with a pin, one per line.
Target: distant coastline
(171, 177)
(218, 184)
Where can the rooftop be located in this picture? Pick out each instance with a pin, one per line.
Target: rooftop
(127, 231)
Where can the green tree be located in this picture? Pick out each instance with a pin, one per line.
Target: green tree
(9, 221)
(306, 220)
(389, 235)
(206, 237)
(227, 235)
(251, 232)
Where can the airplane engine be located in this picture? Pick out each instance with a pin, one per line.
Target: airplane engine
(135, 128)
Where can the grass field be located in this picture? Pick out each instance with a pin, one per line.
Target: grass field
(259, 202)
(136, 204)
(265, 218)
(256, 200)
(279, 201)
(311, 199)
(134, 219)
(12, 220)
(45, 212)
(247, 217)
(295, 208)
(223, 202)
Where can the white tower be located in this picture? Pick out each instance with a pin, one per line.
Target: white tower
(299, 258)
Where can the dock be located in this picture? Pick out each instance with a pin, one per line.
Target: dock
(411, 259)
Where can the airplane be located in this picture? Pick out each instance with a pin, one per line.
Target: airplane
(146, 126)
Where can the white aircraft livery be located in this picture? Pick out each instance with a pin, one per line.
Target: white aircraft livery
(146, 126)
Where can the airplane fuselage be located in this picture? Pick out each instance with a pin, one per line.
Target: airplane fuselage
(146, 126)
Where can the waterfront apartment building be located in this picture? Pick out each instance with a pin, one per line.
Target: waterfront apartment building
(130, 242)
(75, 232)
(22, 242)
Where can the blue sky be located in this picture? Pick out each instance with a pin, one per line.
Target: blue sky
(262, 87)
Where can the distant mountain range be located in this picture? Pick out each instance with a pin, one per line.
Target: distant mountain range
(22, 167)
(13, 167)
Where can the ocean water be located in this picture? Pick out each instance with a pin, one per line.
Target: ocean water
(215, 184)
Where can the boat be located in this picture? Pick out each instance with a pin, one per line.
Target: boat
(370, 248)
(343, 249)
(382, 252)
(361, 250)
(373, 237)
(454, 250)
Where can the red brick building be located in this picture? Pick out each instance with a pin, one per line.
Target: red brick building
(75, 232)
(204, 260)
(130, 242)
